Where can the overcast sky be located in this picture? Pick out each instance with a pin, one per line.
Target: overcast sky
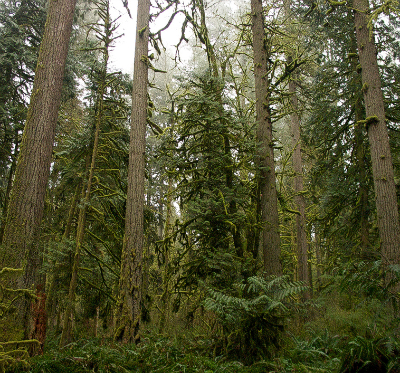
(122, 55)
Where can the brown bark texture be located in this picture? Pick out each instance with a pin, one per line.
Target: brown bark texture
(128, 312)
(299, 199)
(25, 210)
(265, 149)
(360, 151)
(300, 203)
(20, 247)
(375, 122)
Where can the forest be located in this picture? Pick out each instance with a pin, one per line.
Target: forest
(231, 207)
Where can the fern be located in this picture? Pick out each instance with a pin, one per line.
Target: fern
(253, 315)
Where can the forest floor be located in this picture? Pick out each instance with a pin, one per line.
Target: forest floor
(340, 335)
(166, 355)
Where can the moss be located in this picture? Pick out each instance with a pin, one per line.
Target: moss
(142, 31)
(352, 55)
(373, 119)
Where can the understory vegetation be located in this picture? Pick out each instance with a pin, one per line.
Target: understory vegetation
(260, 327)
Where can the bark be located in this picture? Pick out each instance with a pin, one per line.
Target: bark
(375, 122)
(26, 205)
(25, 210)
(265, 151)
(71, 213)
(166, 295)
(301, 236)
(299, 200)
(359, 151)
(128, 312)
(317, 243)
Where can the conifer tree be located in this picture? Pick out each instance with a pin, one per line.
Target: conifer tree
(128, 312)
(375, 123)
(105, 37)
(25, 210)
(265, 151)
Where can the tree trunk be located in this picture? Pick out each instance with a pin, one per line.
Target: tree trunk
(265, 148)
(359, 151)
(128, 312)
(301, 236)
(375, 122)
(299, 200)
(25, 209)
(66, 335)
(27, 198)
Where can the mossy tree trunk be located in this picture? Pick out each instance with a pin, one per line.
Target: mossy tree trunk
(359, 150)
(375, 122)
(298, 188)
(128, 310)
(298, 185)
(265, 147)
(105, 37)
(25, 210)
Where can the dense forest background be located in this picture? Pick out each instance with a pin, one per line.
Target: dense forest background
(232, 207)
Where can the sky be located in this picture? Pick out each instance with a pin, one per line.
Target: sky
(122, 54)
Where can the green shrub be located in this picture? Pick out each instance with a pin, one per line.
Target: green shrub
(253, 316)
(371, 355)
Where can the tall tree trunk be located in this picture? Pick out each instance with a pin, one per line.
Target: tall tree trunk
(382, 166)
(167, 245)
(67, 332)
(25, 210)
(265, 148)
(128, 312)
(166, 295)
(299, 200)
(359, 150)
(301, 236)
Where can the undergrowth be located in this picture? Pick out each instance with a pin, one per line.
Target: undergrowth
(346, 332)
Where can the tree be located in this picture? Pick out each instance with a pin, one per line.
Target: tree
(25, 210)
(102, 81)
(22, 24)
(298, 187)
(265, 151)
(375, 122)
(128, 312)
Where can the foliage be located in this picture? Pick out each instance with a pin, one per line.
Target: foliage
(373, 354)
(253, 316)
(152, 355)
(373, 280)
